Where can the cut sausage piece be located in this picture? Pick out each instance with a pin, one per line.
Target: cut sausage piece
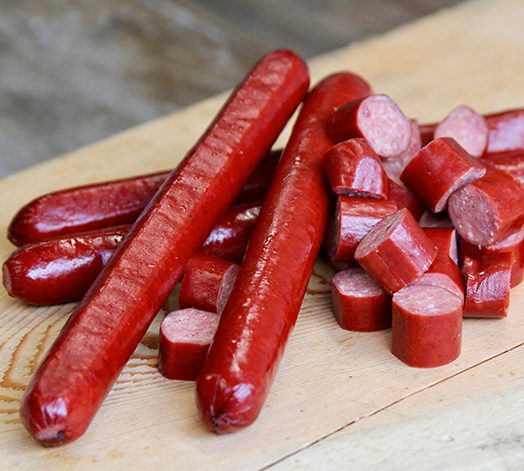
(353, 218)
(426, 329)
(185, 336)
(104, 330)
(359, 303)
(354, 169)
(396, 251)
(445, 273)
(395, 165)
(514, 244)
(488, 284)
(404, 198)
(438, 170)
(445, 239)
(240, 368)
(488, 209)
(506, 131)
(107, 204)
(510, 161)
(378, 119)
(206, 283)
(467, 127)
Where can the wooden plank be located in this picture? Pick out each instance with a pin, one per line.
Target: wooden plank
(463, 422)
(329, 378)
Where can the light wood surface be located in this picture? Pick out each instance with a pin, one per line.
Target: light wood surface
(340, 400)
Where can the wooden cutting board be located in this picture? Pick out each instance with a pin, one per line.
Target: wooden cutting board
(340, 399)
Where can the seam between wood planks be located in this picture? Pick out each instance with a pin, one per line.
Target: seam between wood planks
(387, 406)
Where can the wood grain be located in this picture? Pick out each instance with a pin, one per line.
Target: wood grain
(340, 398)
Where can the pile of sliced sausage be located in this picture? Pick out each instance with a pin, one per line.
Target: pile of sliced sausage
(422, 225)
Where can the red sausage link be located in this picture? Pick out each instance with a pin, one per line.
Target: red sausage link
(445, 273)
(467, 127)
(426, 329)
(229, 238)
(61, 269)
(353, 218)
(239, 368)
(359, 302)
(506, 131)
(488, 209)
(206, 283)
(185, 336)
(353, 168)
(104, 330)
(488, 284)
(510, 161)
(514, 244)
(376, 118)
(404, 198)
(396, 251)
(445, 239)
(112, 203)
(438, 170)
(84, 208)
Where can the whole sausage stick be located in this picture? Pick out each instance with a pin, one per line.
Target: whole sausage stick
(265, 301)
(104, 330)
(107, 204)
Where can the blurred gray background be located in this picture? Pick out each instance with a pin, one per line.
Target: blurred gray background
(73, 72)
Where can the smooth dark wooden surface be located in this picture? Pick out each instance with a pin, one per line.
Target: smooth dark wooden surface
(73, 72)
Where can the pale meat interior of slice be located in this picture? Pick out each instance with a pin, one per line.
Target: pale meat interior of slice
(426, 300)
(379, 233)
(356, 282)
(384, 125)
(190, 325)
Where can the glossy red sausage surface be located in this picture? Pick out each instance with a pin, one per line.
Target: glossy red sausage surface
(396, 251)
(229, 238)
(353, 168)
(488, 284)
(62, 269)
(404, 198)
(359, 303)
(206, 283)
(352, 219)
(264, 304)
(185, 336)
(103, 331)
(426, 329)
(438, 170)
(514, 244)
(107, 204)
